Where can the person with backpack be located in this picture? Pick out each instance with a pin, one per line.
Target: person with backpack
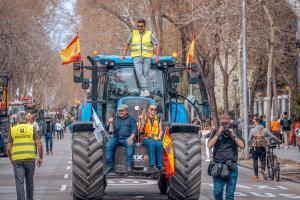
(259, 141)
(152, 129)
(286, 123)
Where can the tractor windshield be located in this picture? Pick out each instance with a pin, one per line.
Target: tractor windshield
(122, 82)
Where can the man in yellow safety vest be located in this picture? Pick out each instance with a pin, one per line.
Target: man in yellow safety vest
(22, 142)
(144, 46)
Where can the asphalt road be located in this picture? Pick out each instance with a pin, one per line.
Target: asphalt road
(53, 182)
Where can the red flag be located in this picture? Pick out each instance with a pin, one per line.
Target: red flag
(72, 52)
(190, 59)
(168, 156)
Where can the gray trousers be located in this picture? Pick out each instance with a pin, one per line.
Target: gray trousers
(24, 169)
(142, 67)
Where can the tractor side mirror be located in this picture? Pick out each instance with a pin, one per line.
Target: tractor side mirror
(77, 72)
(85, 83)
(174, 79)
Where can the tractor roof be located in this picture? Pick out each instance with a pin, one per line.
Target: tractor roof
(128, 59)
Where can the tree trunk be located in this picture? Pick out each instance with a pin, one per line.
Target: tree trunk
(275, 95)
(225, 93)
(270, 66)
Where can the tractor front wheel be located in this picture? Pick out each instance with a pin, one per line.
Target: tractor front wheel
(186, 181)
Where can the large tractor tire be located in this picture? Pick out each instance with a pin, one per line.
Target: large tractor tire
(186, 181)
(88, 180)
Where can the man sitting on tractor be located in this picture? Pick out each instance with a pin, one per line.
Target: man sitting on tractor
(125, 130)
(151, 126)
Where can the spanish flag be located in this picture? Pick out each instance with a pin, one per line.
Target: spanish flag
(72, 52)
(190, 59)
(168, 156)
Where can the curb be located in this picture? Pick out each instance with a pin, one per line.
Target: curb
(282, 177)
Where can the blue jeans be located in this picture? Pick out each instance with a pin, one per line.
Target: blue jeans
(230, 185)
(110, 147)
(48, 141)
(155, 151)
(142, 67)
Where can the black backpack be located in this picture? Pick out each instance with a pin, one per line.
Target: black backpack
(286, 123)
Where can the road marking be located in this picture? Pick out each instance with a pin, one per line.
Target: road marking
(70, 162)
(263, 187)
(69, 167)
(281, 187)
(269, 195)
(66, 176)
(243, 186)
(290, 196)
(63, 188)
(130, 182)
(239, 194)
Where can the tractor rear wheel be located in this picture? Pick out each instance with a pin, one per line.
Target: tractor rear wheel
(186, 181)
(88, 181)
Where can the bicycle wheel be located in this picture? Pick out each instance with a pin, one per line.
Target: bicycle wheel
(276, 169)
(269, 166)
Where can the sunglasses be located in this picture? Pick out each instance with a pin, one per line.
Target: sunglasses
(153, 109)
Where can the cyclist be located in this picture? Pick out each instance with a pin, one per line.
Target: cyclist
(259, 141)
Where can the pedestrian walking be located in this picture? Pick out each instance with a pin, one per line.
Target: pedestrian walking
(58, 130)
(275, 129)
(143, 45)
(286, 123)
(21, 151)
(259, 139)
(224, 169)
(48, 129)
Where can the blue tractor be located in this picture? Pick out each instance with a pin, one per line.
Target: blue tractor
(113, 83)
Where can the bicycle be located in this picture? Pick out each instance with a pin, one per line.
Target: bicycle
(273, 164)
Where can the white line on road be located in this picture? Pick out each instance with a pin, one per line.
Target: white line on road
(63, 188)
(69, 167)
(243, 186)
(66, 176)
(70, 162)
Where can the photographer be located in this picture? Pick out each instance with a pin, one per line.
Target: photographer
(223, 168)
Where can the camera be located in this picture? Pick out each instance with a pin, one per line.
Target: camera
(228, 127)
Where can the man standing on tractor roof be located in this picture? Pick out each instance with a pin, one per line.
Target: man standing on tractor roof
(152, 137)
(143, 45)
(125, 130)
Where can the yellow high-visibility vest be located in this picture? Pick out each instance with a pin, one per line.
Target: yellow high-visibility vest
(152, 130)
(141, 45)
(23, 142)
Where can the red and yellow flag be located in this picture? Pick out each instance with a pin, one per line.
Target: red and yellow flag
(168, 156)
(72, 52)
(190, 59)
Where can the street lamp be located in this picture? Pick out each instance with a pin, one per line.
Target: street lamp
(235, 82)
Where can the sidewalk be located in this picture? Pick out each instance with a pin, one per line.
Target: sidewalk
(289, 163)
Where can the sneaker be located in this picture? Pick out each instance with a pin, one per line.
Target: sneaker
(128, 168)
(47, 153)
(207, 160)
(153, 169)
(286, 147)
(142, 93)
(255, 178)
(51, 153)
(146, 93)
(263, 173)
